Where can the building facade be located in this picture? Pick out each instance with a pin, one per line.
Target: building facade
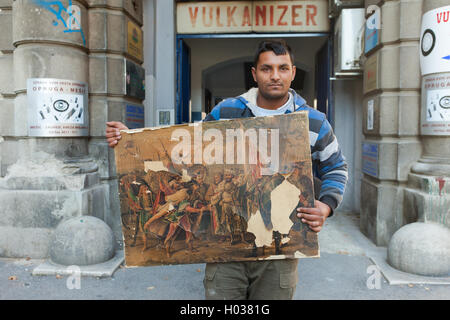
(155, 62)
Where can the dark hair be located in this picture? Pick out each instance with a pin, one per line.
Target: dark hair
(277, 46)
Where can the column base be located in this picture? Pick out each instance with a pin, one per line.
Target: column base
(433, 166)
(381, 214)
(36, 196)
(427, 199)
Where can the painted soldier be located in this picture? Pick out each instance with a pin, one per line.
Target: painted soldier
(214, 208)
(162, 210)
(181, 218)
(231, 221)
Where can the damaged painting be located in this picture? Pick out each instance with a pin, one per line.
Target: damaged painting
(216, 191)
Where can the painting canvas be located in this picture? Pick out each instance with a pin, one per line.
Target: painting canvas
(216, 191)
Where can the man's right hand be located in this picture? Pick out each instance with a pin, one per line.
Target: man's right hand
(113, 132)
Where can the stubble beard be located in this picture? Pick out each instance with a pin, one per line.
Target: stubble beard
(273, 97)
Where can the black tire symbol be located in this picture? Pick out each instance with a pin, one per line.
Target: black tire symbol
(445, 102)
(428, 32)
(60, 105)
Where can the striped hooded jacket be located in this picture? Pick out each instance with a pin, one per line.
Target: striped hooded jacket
(329, 164)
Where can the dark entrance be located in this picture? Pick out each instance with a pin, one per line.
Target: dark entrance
(321, 69)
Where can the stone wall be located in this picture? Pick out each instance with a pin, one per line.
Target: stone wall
(44, 181)
(392, 84)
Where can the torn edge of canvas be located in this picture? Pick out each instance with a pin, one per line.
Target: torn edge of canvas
(191, 124)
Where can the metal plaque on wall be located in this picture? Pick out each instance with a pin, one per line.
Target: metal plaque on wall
(57, 108)
(135, 80)
(135, 46)
(372, 33)
(134, 116)
(371, 81)
(370, 153)
(435, 114)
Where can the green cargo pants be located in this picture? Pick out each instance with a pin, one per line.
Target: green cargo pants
(254, 280)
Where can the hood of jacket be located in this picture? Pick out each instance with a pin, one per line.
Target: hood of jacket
(249, 99)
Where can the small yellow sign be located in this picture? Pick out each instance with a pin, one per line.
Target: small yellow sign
(134, 41)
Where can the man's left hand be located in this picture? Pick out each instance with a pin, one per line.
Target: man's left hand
(314, 217)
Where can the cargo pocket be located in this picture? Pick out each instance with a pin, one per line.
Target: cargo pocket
(210, 271)
(288, 279)
(222, 282)
(208, 281)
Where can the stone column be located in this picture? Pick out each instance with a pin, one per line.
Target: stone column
(110, 23)
(431, 173)
(392, 99)
(423, 247)
(7, 94)
(47, 180)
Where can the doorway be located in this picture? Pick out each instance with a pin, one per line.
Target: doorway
(218, 67)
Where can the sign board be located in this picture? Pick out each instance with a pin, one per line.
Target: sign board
(135, 80)
(371, 73)
(57, 108)
(371, 32)
(435, 111)
(165, 117)
(370, 158)
(216, 191)
(370, 113)
(253, 16)
(134, 41)
(134, 116)
(434, 41)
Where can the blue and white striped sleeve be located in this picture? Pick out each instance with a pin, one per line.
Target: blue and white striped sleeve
(331, 166)
(213, 115)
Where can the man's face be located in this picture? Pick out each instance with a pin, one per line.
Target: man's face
(274, 75)
(217, 178)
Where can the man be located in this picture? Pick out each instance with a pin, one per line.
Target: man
(273, 72)
(180, 218)
(231, 222)
(214, 210)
